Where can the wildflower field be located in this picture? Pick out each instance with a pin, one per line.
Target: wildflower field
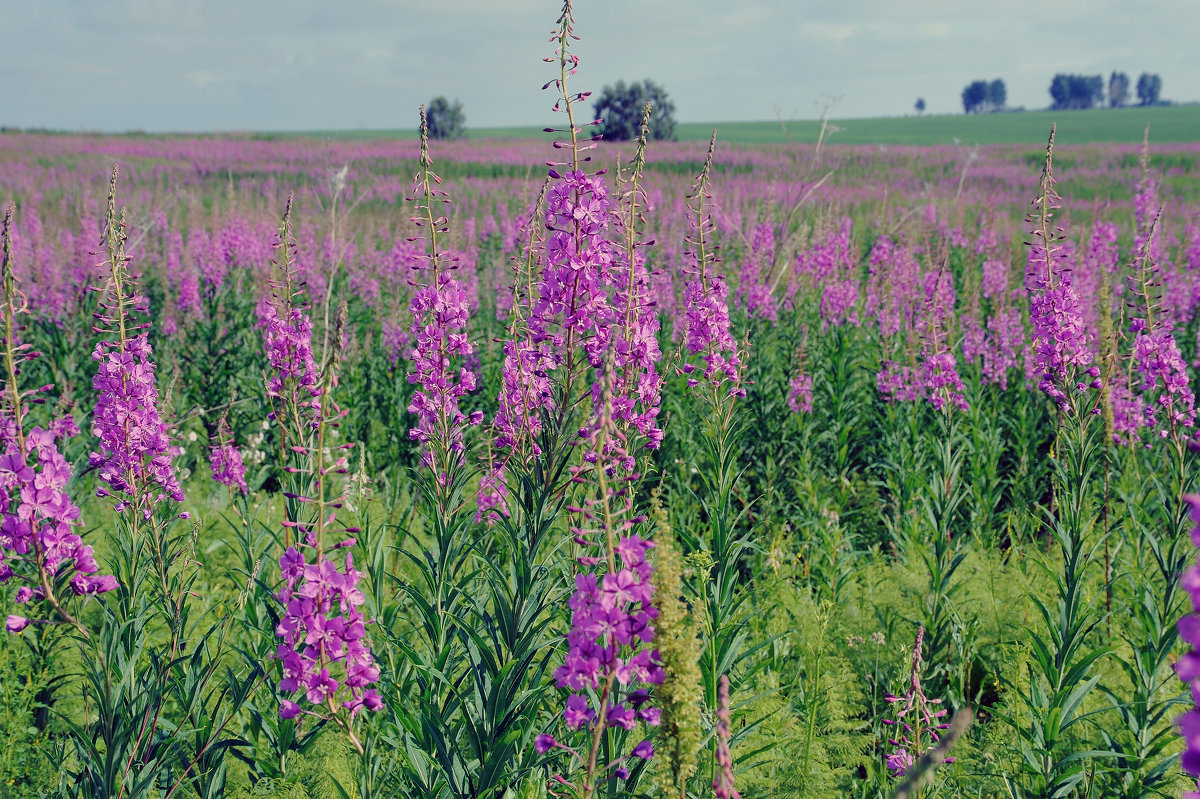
(667, 469)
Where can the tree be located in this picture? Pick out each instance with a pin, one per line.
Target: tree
(920, 106)
(1118, 89)
(446, 120)
(974, 96)
(1149, 87)
(997, 94)
(620, 110)
(984, 97)
(1076, 91)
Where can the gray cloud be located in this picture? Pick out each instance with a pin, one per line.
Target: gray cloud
(303, 64)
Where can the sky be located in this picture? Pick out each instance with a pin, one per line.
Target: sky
(245, 65)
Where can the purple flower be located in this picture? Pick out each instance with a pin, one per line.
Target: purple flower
(287, 334)
(578, 712)
(440, 312)
(14, 624)
(1061, 345)
(39, 518)
(227, 466)
(753, 293)
(135, 453)
(322, 632)
(723, 784)
(917, 714)
(611, 612)
(800, 393)
(1187, 668)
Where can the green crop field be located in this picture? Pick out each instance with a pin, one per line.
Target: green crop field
(1179, 123)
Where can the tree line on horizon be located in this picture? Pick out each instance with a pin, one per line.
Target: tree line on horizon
(1067, 92)
(618, 108)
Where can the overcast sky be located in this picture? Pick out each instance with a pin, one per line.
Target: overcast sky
(202, 65)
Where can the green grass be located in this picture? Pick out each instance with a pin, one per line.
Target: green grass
(1167, 124)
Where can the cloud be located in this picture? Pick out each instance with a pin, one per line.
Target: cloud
(202, 78)
(936, 29)
(827, 31)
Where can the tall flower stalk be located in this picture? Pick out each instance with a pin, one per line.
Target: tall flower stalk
(439, 330)
(610, 666)
(1063, 667)
(39, 548)
(918, 720)
(637, 393)
(329, 671)
(149, 671)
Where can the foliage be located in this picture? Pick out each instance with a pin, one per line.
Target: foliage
(1118, 89)
(983, 97)
(1076, 91)
(446, 120)
(620, 108)
(1149, 88)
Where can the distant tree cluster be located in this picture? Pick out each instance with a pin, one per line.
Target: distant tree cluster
(1076, 91)
(984, 97)
(446, 120)
(620, 109)
(1149, 87)
(1118, 89)
(1087, 91)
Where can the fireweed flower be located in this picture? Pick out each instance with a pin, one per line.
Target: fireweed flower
(753, 293)
(1160, 365)
(1061, 345)
(525, 386)
(898, 382)
(800, 390)
(636, 354)
(135, 447)
(526, 389)
(573, 309)
(707, 330)
(935, 378)
(287, 335)
(917, 720)
(800, 393)
(323, 628)
(38, 520)
(225, 459)
(134, 460)
(1156, 359)
(723, 784)
(940, 382)
(610, 665)
(1187, 668)
(326, 660)
(834, 268)
(1005, 343)
(440, 312)
(894, 287)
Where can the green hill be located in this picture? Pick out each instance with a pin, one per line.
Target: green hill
(1180, 123)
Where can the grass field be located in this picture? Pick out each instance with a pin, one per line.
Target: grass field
(1167, 124)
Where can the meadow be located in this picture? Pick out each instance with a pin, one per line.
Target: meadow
(673, 469)
(1174, 124)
